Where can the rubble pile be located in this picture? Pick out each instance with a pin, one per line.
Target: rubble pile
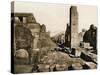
(62, 61)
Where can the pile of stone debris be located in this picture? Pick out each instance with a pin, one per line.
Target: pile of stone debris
(59, 61)
(52, 60)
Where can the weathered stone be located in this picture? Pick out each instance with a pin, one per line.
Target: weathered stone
(85, 66)
(90, 36)
(22, 68)
(76, 52)
(88, 58)
(77, 66)
(91, 65)
(21, 53)
(87, 45)
(71, 34)
(70, 68)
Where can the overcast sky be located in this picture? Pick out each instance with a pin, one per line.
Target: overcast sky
(56, 16)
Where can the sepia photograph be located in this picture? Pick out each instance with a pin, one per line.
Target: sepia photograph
(49, 37)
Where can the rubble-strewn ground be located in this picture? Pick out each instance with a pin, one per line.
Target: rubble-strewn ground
(51, 60)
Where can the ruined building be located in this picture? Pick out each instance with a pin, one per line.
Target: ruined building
(28, 33)
(71, 34)
(28, 22)
(23, 38)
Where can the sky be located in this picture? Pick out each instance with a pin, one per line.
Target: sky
(56, 16)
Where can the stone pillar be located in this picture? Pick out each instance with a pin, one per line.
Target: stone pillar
(36, 40)
(74, 27)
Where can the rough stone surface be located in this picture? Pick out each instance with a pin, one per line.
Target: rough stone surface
(91, 65)
(22, 53)
(77, 66)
